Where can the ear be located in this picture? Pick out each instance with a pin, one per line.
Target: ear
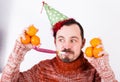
(83, 42)
(55, 41)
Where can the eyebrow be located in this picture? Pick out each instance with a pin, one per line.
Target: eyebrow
(60, 37)
(70, 37)
(75, 37)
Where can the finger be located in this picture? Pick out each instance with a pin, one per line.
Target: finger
(102, 53)
(100, 46)
(18, 39)
(37, 30)
(22, 36)
(25, 30)
(29, 46)
(89, 58)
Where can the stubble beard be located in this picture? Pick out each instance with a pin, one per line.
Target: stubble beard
(66, 60)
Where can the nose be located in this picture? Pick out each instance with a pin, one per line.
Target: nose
(67, 45)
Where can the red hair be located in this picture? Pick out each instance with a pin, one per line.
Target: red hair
(69, 21)
(59, 24)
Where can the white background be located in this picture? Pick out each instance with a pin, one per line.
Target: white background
(99, 18)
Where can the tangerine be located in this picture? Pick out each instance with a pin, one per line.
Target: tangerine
(96, 51)
(95, 42)
(25, 40)
(32, 30)
(89, 51)
(35, 40)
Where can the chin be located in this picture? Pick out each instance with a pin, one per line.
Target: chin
(67, 60)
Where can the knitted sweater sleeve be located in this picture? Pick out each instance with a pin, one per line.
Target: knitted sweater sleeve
(11, 70)
(104, 69)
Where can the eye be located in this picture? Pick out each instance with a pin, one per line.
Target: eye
(73, 40)
(61, 40)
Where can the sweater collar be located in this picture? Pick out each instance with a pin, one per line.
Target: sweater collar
(71, 66)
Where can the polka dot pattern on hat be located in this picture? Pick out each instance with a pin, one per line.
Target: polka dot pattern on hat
(54, 15)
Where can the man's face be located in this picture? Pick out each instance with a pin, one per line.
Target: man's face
(69, 40)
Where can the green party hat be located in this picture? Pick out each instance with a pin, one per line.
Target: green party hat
(54, 16)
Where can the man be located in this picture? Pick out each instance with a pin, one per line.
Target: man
(69, 66)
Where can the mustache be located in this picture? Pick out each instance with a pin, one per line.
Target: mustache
(68, 51)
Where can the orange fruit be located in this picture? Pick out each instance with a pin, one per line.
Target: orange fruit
(25, 40)
(96, 51)
(95, 42)
(35, 40)
(89, 51)
(32, 30)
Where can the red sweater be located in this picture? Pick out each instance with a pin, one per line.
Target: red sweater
(57, 71)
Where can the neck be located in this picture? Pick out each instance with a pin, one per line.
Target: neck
(71, 66)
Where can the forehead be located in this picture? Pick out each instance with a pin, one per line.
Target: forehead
(71, 30)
